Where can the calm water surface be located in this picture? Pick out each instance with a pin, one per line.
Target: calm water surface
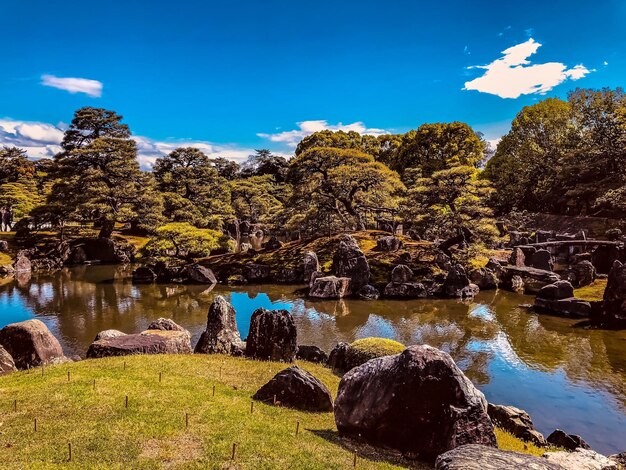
(564, 376)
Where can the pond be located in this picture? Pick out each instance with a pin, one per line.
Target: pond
(564, 376)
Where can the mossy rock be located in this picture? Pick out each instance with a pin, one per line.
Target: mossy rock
(362, 350)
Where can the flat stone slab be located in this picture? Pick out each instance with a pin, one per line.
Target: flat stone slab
(477, 457)
(147, 342)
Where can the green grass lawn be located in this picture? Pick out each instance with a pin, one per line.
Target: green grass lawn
(152, 431)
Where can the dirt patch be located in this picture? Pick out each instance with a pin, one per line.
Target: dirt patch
(172, 451)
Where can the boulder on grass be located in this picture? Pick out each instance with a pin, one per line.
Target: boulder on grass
(478, 457)
(337, 358)
(30, 344)
(365, 349)
(167, 324)
(570, 442)
(272, 336)
(388, 243)
(7, 364)
(221, 335)
(311, 354)
(330, 287)
(147, 342)
(517, 422)
(296, 388)
(418, 402)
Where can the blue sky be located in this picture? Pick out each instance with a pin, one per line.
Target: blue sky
(231, 76)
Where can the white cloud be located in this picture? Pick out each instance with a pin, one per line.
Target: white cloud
(92, 88)
(512, 74)
(305, 128)
(42, 140)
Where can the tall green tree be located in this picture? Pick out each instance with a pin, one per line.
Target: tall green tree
(346, 183)
(192, 189)
(15, 165)
(435, 147)
(97, 174)
(449, 201)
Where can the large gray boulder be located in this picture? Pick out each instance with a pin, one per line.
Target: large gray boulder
(296, 388)
(330, 287)
(272, 336)
(7, 364)
(388, 243)
(349, 261)
(418, 402)
(311, 354)
(198, 274)
(105, 334)
(407, 290)
(541, 259)
(533, 279)
(401, 274)
(581, 459)
(22, 264)
(517, 422)
(147, 342)
(614, 306)
(310, 264)
(457, 284)
(30, 344)
(478, 457)
(560, 438)
(337, 359)
(221, 335)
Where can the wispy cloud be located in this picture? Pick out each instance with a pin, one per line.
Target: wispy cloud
(89, 87)
(43, 140)
(293, 137)
(512, 75)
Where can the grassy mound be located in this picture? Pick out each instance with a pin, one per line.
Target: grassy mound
(153, 432)
(376, 347)
(592, 292)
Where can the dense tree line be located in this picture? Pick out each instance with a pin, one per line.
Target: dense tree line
(566, 156)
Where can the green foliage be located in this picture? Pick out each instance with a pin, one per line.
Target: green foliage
(435, 147)
(22, 196)
(14, 165)
(182, 239)
(451, 199)
(192, 189)
(564, 156)
(97, 176)
(257, 198)
(342, 184)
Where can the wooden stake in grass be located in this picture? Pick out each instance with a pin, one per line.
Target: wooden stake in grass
(186, 420)
(94, 384)
(160, 376)
(251, 407)
(354, 461)
(213, 390)
(234, 451)
(69, 450)
(69, 375)
(124, 365)
(297, 427)
(126, 401)
(35, 424)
